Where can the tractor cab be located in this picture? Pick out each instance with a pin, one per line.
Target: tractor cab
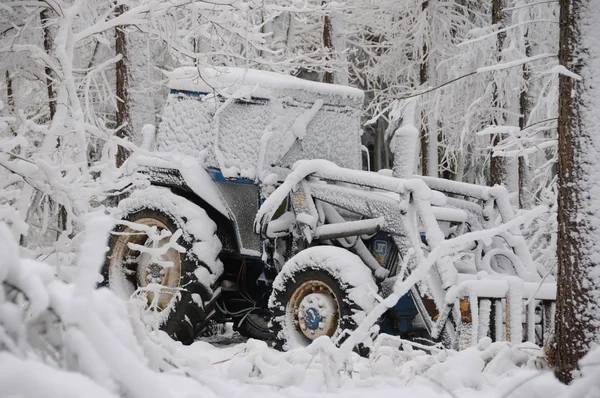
(251, 124)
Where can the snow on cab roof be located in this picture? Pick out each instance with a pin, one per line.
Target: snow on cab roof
(254, 82)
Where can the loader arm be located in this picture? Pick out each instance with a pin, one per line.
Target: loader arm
(403, 208)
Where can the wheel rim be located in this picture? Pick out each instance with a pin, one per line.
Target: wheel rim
(130, 268)
(315, 310)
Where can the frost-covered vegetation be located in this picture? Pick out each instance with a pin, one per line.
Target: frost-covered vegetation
(482, 88)
(73, 340)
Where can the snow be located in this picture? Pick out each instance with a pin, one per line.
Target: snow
(560, 69)
(148, 137)
(405, 141)
(491, 130)
(104, 349)
(289, 119)
(281, 226)
(21, 377)
(191, 169)
(114, 355)
(229, 80)
(449, 214)
(347, 227)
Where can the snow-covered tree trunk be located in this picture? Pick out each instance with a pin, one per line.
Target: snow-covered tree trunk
(141, 90)
(123, 118)
(327, 44)
(340, 45)
(10, 100)
(47, 68)
(524, 110)
(428, 142)
(578, 306)
(497, 163)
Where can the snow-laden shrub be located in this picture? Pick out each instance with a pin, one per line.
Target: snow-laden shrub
(10, 184)
(49, 329)
(542, 234)
(62, 339)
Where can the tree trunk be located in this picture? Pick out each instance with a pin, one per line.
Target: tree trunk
(428, 143)
(47, 68)
(123, 118)
(497, 164)
(524, 105)
(380, 158)
(578, 305)
(423, 130)
(10, 99)
(328, 44)
(139, 79)
(62, 217)
(524, 180)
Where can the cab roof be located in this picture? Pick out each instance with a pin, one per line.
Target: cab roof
(251, 82)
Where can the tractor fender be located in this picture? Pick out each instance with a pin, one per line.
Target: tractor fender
(184, 173)
(187, 177)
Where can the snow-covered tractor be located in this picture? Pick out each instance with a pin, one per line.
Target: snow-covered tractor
(259, 213)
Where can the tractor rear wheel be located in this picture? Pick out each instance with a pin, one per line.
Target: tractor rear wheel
(165, 250)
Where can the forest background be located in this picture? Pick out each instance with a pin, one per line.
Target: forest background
(79, 80)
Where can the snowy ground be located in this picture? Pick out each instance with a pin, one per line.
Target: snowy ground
(101, 348)
(489, 370)
(251, 369)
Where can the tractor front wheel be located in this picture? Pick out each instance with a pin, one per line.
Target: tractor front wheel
(322, 291)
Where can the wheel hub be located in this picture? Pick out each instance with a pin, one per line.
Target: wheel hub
(164, 270)
(317, 313)
(312, 318)
(155, 274)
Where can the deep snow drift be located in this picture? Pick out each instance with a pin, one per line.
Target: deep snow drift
(73, 340)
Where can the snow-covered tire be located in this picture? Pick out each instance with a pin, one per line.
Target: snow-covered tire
(328, 283)
(186, 285)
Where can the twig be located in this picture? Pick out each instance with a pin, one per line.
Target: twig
(228, 359)
(529, 5)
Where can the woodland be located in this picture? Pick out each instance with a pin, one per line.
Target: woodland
(502, 92)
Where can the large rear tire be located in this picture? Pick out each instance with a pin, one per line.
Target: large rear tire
(177, 281)
(321, 291)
